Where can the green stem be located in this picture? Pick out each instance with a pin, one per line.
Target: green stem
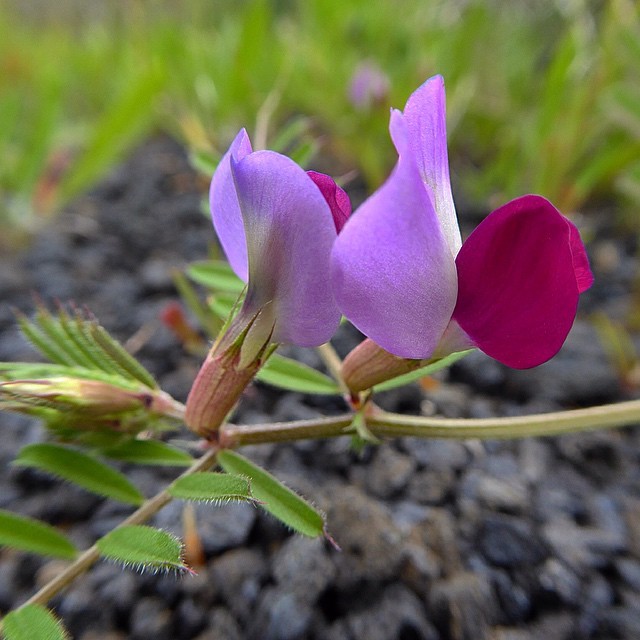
(91, 555)
(383, 424)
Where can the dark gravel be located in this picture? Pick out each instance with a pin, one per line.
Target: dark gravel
(440, 540)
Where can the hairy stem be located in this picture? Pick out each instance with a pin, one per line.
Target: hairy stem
(382, 424)
(91, 555)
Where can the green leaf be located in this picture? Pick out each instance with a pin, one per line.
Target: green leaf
(208, 486)
(27, 534)
(422, 372)
(81, 343)
(278, 500)
(142, 547)
(216, 275)
(293, 375)
(81, 469)
(148, 452)
(33, 622)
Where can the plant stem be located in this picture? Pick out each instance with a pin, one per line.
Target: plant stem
(333, 362)
(382, 424)
(91, 555)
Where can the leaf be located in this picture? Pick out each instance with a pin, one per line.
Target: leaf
(422, 372)
(82, 343)
(27, 534)
(148, 452)
(293, 375)
(81, 469)
(216, 275)
(142, 547)
(278, 500)
(33, 622)
(209, 486)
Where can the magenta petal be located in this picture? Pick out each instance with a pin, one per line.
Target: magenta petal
(584, 277)
(520, 274)
(290, 233)
(425, 115)
(225, 210)
(392, 271)
(336, 198)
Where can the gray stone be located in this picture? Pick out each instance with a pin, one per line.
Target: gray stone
(280, 616)
(150, 618)
(398, 614)
(303, 567)
(463, 605)
(371, 544)
(558, 580)
(389, 472)
(221, 626)
(437, 455)
(509, 542)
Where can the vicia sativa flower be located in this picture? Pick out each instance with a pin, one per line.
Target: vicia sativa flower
(277, 225)
(403, 277)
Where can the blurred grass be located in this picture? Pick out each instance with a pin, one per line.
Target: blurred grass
(542, 97)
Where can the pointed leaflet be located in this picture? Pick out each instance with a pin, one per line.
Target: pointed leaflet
(81, 469)
(216, 275)
(278, 500)
(150, 452)
(142, 547)
(209, 486)
(33, 622)
(392, 270)
(27, 534)
(293, 375)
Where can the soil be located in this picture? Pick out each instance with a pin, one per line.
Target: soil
(518, 540)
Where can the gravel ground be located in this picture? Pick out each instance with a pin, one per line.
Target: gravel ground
(537, 538)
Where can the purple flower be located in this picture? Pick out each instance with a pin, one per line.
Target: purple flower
(277, 225)
(403, 277)
(369, 86)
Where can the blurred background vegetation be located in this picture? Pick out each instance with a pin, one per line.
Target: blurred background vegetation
(542, 97)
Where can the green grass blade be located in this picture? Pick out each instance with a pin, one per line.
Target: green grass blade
(27, 534)
(278, 500)
(81, 469)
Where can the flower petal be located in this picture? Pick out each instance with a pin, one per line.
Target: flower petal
(290, 233)
(520, 274)
(336, 198)
(425, 115)
(225, 210)
(392, 270)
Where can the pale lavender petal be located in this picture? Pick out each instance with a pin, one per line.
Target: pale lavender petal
(290, 233)
(336, 198)
(393, 273)
(425, 115)
(225, 210)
